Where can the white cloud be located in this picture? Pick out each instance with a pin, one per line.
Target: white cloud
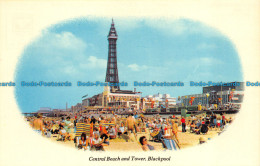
(136, 67)
(202, 46)
(94, 62)
(70, 70)
(204, 61)
(209, 61)
(181, 26)
(127, 24)
(63, 40)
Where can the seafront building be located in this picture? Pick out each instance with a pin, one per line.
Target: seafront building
(219, 95)
(113, 100)
(158, 100)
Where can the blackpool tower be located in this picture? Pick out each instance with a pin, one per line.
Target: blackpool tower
(112, 71)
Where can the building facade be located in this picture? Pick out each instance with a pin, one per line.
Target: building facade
(158, 100)
(116, 100)
(220, 95)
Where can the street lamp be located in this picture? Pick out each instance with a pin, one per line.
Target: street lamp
(207, 99)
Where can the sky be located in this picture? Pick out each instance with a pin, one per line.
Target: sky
(147, 50)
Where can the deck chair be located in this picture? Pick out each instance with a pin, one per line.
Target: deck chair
(81, 128)
(170, 144)
(88, 129)
(109, 124)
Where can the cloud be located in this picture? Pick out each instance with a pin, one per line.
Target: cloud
(181, 27)
(205, 61)
(210, 61)
(136, 67)
(203, 46)
(70, 70)
(127, 24)
(94, 62)
(64, 40)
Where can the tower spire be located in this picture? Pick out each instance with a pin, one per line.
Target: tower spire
(112, 32)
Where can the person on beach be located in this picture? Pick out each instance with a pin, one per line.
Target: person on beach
(171, 120)
(55, 128)
(166, 133)
(122, 130)
(38, 124)
(93, 120)
(75, 124)
(175, 129)
(198, 124)
(102, 120)
(112, 132)
(183, 124)
(145, 146)
(204, 128)
(104, 134)
(130, 123)
(62, 120)
(192, 127)
(207, 120)
(47, 129)
(212, 124)
(67, 125)
(218, 123)
(97, 143)
(95, 130)
(223, 120)
(83, 142)
(215, 119)
(64, 134)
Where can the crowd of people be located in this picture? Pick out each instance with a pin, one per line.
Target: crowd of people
(127, 127)
(205, 123)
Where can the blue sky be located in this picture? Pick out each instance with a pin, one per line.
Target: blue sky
(147, 50)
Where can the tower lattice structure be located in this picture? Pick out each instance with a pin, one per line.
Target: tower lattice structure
(112, 71)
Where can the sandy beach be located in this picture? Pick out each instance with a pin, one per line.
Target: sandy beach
(186, 140)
